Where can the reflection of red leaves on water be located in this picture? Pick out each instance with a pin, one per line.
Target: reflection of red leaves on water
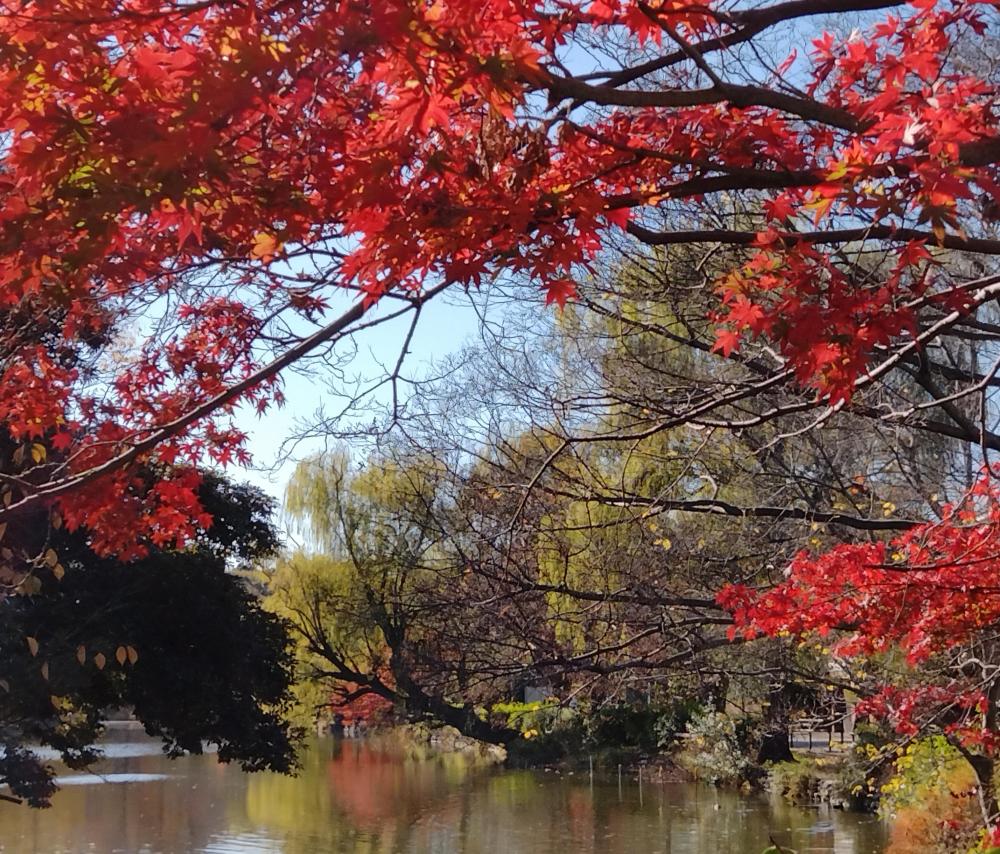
(366, 797)
(580, 808)
(373, 788)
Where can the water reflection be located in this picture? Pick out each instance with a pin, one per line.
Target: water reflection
(96, 777)
(353, 799)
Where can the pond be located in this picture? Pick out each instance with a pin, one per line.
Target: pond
(351, 798)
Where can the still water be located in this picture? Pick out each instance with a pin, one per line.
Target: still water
(351, 798)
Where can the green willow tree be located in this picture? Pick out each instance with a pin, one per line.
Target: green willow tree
(373, 605)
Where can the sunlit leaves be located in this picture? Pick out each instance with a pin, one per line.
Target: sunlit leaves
(390, 146)
(927, 591)
(265, 247)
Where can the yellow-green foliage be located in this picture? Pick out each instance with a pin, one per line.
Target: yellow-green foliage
(370, 536)
(924, 768)
(931, 801)
(533, 719)
(316, 586)
(318, 591)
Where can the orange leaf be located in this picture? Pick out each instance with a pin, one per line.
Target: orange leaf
(264, 247)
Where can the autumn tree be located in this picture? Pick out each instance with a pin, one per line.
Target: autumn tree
(218, 173)
(276, 156)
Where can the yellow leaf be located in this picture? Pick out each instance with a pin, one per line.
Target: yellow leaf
(51, 558)
(820, 207)
(38, 452)
(264, 246)
(81, 654)
(100, 660)
(839, 171)
(58, 571)
(45, 671)
(133, 656)
(121, 655)
(32, 645)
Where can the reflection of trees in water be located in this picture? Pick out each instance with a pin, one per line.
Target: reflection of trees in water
(359, 800)
(182, 813)
(369, 802)
(351, 796)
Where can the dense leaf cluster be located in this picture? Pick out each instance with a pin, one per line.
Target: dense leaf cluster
(175, 638)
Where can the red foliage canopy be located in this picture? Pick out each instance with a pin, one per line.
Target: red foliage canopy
(925, 592)
(189, 172)
(932, 587)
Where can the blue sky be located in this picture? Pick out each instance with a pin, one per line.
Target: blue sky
(445, 325)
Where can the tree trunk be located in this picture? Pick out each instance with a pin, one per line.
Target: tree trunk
(462, 718)
(776, 745)
(984, 767)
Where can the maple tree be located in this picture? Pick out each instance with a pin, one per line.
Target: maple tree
(210, 167)
(931, 593)
(207, 170)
